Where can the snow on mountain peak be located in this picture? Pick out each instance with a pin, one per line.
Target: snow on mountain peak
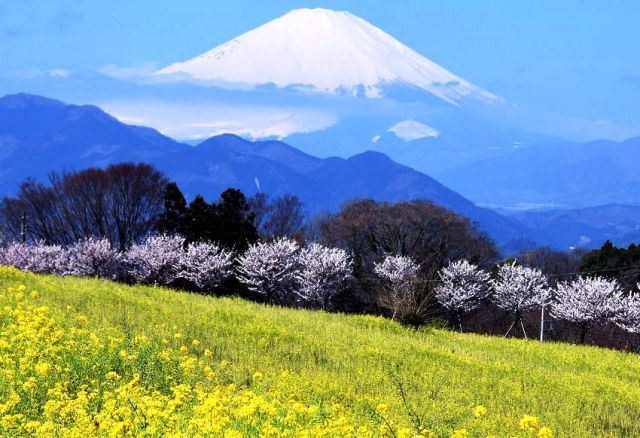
(409, 130)
(328, 51)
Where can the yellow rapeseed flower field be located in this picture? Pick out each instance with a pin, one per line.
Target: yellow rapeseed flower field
(82, 357)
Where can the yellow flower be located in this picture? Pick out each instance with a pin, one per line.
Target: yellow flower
(208, 353)
(112, 375)
(258, 377)
(460, 433)
(528, 422)
(382, 409)
(195, 342)
(29, 384)
(545, 432)
(43, 368)
(479, 411)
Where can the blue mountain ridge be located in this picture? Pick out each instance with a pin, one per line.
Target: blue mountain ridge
(38, 135)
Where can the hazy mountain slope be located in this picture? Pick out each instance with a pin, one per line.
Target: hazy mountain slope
(586, 227)
(554, 174)
(38, 135)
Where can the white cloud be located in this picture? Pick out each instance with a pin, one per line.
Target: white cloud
(201, 120)
(409, 130)
(33, 73)
(59, 73)
(139, 71)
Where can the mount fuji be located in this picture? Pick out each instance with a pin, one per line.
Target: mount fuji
(326, 51)
(368, 91)
(333, 84)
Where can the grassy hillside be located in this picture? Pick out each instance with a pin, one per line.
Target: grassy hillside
(94, 357)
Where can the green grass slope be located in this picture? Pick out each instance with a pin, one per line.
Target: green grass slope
(377, 370)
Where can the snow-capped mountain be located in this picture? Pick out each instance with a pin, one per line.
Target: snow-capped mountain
(328, 51)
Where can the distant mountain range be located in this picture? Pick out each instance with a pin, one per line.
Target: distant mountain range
(38, 135)
(554, 175)
(586, 227)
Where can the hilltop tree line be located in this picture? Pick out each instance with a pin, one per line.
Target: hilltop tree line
(411, 261)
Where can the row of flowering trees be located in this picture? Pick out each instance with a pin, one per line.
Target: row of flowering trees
(159, 260)
(517, 290)
(282, 272)
(585, 301)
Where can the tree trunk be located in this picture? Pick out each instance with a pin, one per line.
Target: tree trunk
(583, 333)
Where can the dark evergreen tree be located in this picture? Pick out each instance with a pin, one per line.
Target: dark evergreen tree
(622, 264)
(200, 222)
(236, 222)
(229, 222)
(175, 207)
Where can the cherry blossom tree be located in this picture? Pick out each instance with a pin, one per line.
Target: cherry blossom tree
(463, 286)
(158, 260)
(269, 269)
(15, 254)
(93, 257)
(629, 316)
(519, 289)
(402, 293)
(206, 265)
(38, 258)
(588, 301)
(322, 275)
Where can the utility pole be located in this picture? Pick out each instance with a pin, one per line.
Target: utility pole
(23, 228)
(542, 323)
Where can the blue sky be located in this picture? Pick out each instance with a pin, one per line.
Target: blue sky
(575, 59)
